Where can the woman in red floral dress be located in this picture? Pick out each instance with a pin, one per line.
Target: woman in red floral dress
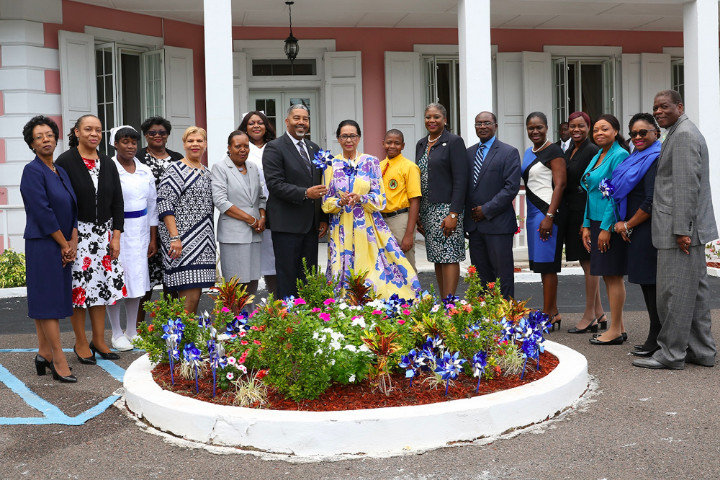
(97, 275)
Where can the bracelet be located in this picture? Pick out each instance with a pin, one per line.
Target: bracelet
(551, 215)
(253, 224)
(628, 231)
(174, 237)
(306, 197)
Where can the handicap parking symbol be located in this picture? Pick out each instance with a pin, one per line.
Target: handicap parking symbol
(51, 414)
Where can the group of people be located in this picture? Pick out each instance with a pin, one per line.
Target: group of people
(645, 213)
(101, 230)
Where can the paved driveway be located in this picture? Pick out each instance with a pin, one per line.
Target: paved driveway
(636, 424)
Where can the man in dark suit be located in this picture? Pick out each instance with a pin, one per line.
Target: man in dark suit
(293, 209)
(683, 221)
(490, 220)
(564, 132)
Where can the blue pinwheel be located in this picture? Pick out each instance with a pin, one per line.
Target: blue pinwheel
(193, 356)
(237, 325)
(479, 362)
(216, 352)
(322, 159)
(412, 363)
(173, 335)
(449, 367)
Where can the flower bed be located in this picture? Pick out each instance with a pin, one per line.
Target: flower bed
(342, 335)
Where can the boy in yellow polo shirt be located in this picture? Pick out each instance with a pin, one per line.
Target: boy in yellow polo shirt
(402, 190)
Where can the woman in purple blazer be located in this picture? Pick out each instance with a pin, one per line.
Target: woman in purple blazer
(50, 245)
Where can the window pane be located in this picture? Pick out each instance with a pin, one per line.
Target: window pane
(283, 67)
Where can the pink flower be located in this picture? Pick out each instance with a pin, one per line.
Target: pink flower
(316, 310)
(231, 360)
(243, 368)
(300, 301)
(242, 333)
(257, 342)
(243, 342)
(377, 312)
(225, 310)
(405, 305)
(329, 301)
(406, 312)
(254, 327)
(325, 317)
(401, 322)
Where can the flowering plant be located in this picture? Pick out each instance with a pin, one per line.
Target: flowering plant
(329, 334)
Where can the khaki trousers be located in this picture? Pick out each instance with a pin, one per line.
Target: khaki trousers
(398, 226)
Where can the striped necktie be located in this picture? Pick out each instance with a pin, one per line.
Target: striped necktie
(304, 155)
(479, 157)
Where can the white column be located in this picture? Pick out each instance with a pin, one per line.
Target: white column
(475, 63)
(219, 103)
(702, 79)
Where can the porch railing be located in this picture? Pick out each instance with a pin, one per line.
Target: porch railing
(4, 213)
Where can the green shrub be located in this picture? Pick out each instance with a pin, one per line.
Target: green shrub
(12, 269)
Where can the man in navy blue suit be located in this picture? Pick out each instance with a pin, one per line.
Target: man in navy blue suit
(490, 220)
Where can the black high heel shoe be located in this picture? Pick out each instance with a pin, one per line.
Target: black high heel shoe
(554, 322)
(65, 379)
(86, 360)
(602, 323)
(592, 327)
(104, 355)
(41, 365)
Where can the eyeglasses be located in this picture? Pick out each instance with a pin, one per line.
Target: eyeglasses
(349, 137)
(635, 133)
(154, 133)
(40, 136)
(484, 124)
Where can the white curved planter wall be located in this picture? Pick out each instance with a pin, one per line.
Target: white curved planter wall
(382, 431)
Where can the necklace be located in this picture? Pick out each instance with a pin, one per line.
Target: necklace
(541, 147)
(433, 139)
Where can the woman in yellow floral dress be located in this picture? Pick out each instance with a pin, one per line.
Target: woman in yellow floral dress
(359, 238)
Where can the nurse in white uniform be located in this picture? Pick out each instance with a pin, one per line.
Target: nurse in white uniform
(260, 131)
(139, 239)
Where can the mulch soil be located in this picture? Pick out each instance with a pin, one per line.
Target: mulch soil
(363, 395)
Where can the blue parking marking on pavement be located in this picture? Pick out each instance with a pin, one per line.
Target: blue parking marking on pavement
(51, 413)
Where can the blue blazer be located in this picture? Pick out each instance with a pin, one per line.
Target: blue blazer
(50, 203)
(447, 170)
(497, 186)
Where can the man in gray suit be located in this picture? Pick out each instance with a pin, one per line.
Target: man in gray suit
(683, 221)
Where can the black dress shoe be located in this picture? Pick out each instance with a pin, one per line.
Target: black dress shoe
(650, 362)
(639, 346)
(644, 353)
(592, 327)
(85, 360)
(65, 379)
(104, 355)
(41, 365)
(615, 341)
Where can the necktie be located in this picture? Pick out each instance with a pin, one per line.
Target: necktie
(479, 157)
(304, 154)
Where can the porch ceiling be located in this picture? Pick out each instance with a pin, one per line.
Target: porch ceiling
(663, 15)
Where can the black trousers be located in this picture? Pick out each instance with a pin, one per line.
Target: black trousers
(650, 294)
(492, 256)
(290, 249)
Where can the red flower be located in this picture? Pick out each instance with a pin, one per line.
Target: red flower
(261, 374)
(472, 270)
(491, 285)
(151, 327)
(78, 294)
(86, 263)
(106, 263)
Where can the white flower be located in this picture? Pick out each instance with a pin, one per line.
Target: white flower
(230, 375)
(231, 360)
(463, 302)
(435, 308)
(358, 322)
(335, 345)
(223, 336)
(316, 335)
(332, 361)
(351, 348)
(341, 315)
(242, 368)
(363, 348)
(342, 305)
(352, 378)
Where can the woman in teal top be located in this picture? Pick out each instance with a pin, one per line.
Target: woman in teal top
(608, 252)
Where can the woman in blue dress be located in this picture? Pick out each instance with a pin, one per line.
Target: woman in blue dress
(50, 245)
(545, 175)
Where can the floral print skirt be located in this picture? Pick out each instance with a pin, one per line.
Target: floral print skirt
(96, 278)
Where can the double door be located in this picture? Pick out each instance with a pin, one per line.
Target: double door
(275, 103)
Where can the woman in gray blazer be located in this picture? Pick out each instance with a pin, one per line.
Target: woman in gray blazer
(237, 193)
